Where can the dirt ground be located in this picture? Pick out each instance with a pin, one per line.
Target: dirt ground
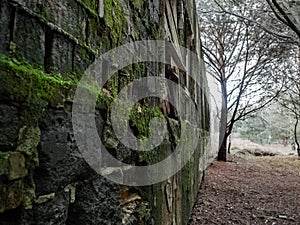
(251, 188)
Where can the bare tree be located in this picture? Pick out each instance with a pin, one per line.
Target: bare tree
(278, 18)
(246, 61)
(290, 97)
(287, 12)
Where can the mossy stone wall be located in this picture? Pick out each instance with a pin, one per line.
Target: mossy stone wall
(45, 45)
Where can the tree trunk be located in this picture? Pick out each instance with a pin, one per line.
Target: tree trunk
(295, 136)
(222, 154)
(223, 125)
(229, 147)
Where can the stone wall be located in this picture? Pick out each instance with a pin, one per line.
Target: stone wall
(45, 46)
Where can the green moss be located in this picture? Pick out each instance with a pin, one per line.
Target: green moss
(44, 16)
(29, 138)
(141, 116)
(144, 212)
(148, 157)
(90, 49)
(156, 32)
(139, 70)
(26, 83)
(24, 79)
(137, 4)
(114, 19)
(28, 198)
(33, 89)
(4, 155)
(30, 86)
(104, 102)
(90, 6)
(12, 47)
(97, 31)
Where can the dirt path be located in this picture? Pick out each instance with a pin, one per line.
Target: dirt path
(250, 190)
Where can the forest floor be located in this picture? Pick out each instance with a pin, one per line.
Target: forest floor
(251, 188)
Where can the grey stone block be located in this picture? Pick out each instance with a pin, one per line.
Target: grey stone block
(33, 5)
(29, 37)
(5, 17)
(61, 56)
(67, 15)
(52, 212)
(82, 58)
(97, 202)
(61, 163)
(10, 125)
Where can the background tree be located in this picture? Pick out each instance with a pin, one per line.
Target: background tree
(290, 98)
(267, 126)
(278, 18)
(247, 61)
(287, 12)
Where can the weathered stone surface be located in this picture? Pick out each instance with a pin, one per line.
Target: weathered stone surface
(17, 165)
(154, 10)
(4, 163)
(97, 202)
(28, 140)
(5, 17)
(61, 56)
(60, 161)
(53, 212)
(95, 33)
(29, 37)
(67, 15)
(109, 139)
(12, 165)
(11, 195)
(82, 59)
(126, 155)
(33, 5)
(10, 217)
(174, 130)
(10, 125)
